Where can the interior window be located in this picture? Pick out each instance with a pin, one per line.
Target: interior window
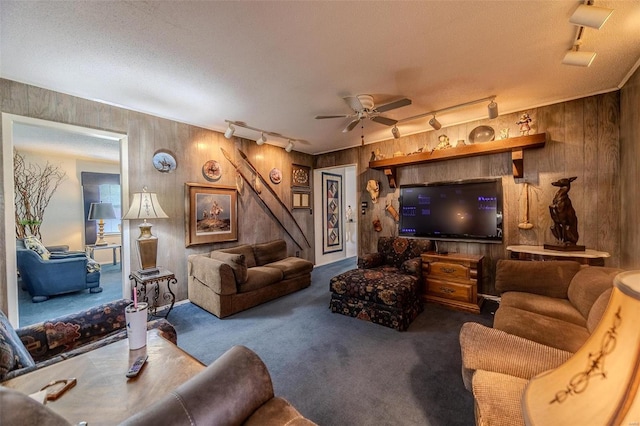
(111, 194)
(96, 188)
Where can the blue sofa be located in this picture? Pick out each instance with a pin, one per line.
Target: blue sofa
(64, 272)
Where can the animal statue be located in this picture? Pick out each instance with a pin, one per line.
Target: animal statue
(565, 221)
(373, 187)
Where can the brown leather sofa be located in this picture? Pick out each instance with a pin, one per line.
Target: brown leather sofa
(231, 280)
(236, 389)
(547, 312)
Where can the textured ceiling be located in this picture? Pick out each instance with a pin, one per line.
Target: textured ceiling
(276, 65)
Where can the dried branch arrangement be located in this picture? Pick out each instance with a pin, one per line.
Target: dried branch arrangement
(34, 187)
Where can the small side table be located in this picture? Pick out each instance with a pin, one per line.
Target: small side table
(155, 279)
(587, 257)
(91, 248)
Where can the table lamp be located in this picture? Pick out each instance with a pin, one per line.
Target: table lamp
(145, 206)
(599, 384)
(99, 212)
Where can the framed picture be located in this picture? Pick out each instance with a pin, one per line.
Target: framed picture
(300, 176)
(301, 199)
(332, 224)
(211, 213)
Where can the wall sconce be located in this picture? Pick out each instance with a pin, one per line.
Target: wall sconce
(289, 146)
(435, 123)
(262, 139)
(230, 131)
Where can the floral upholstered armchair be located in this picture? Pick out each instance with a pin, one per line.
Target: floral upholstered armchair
(398, 255)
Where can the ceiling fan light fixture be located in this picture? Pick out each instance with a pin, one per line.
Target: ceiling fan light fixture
(289, 146)
(230, 131)
(579, 58)
(395, 132)
(262, 139)
(588, 15)
(492, 109)
(435, 123)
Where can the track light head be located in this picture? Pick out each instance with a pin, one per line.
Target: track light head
(230, 131)
(262, 139)
(588, 15)
(435, 123)
(579, 58)
(395, 132)
(289, 146)
(492, 109)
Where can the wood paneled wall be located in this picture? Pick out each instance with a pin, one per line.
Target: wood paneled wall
(582, 140)
(630, 172)
(193, 146)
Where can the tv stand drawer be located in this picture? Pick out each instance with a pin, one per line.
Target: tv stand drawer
(452, 280)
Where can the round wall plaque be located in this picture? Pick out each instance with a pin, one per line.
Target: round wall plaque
(164, 161)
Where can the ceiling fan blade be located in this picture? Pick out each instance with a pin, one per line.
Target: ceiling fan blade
(354, 103)
(320, 117)
(384, 120)
(351, 125)
(393, 105)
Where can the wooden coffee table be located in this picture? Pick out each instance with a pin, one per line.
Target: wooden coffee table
(103, 395)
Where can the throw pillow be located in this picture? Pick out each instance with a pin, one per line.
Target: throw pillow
(13, 354)
(32, 243)
(92, 266)
(237, 263)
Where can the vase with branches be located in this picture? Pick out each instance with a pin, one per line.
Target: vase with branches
(34, 187)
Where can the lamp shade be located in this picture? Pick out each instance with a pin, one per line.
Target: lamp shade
(145, 205)
(101, 211)
(599, 384)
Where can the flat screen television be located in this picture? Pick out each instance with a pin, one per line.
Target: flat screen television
(465, 210)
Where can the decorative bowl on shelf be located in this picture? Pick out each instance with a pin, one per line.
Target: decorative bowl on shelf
(482, 134)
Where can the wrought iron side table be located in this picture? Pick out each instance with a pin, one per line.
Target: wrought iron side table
(140, 283)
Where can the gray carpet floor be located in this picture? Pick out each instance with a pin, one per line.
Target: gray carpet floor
(338, 370)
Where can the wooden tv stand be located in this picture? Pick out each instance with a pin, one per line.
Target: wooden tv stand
(452, 280)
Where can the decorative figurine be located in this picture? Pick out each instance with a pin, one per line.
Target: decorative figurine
(504, 133)
(443, 142)
(565, 221)
(524, 121)
(373, 187)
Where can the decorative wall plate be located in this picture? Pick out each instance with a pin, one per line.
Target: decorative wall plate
(275, 175)
(482, 134)
(164, 161)
(211, 170)
(300, 175)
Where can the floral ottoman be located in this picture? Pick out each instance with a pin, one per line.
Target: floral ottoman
(382, 297)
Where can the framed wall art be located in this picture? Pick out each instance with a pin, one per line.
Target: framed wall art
(301, 199)
(211, 213)
(300, 176)
(332, 239)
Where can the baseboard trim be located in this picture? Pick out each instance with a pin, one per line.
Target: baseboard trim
(491, 297)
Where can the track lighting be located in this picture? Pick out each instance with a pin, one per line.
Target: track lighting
(492, 109)
(435, 123)
(230, 131)
(588, 15)
(263, 134)
(395, 132)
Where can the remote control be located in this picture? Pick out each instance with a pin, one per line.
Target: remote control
(137, 366)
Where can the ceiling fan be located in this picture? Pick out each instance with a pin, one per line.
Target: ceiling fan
(364, 107)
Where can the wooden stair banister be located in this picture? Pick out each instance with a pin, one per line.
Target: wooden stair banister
(516, 145)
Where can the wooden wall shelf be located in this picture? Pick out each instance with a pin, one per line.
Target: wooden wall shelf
(516, 145)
